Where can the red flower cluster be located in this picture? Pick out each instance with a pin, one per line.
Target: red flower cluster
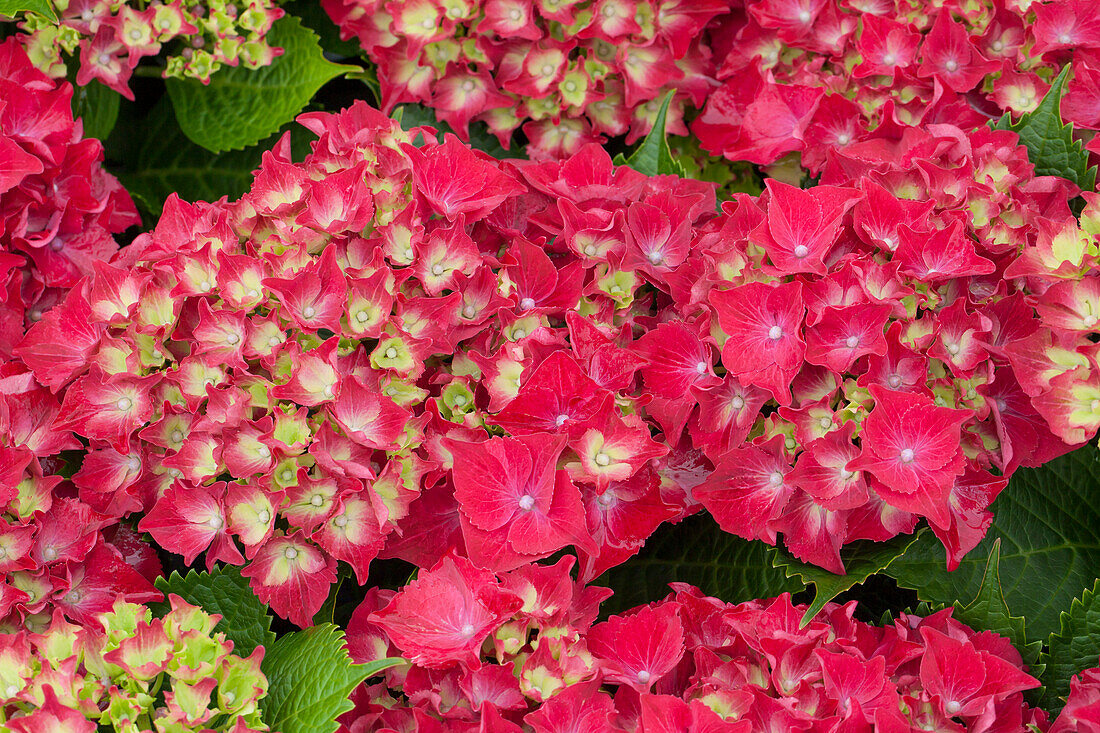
(815, 76)
(577, 69)
(111, 38)
(1082, 711)
(401, 351)
(492, 653)
(58, 207)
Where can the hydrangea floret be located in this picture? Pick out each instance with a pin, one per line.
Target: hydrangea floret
(397, 351)
(564, 71)
(130, 673)
(521, 651)
(108, 38)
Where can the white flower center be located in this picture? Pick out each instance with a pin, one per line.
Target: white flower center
(1064, 38)
(103, 59)
(906, 455)
(437, 269)
(590, 249)
(953, 707)
(252, 292)
(843, 138)
(547, 69)
(825, 423)
(951, 65)
(232, 339)
(775, 333)
(264, 451)
(889, 59)
(776, 479)
(851, 342)
(527, 304)
(469, 311)
(602, 459)
(700, 367)
(309, 311)
(519, 333)
(656, 258)
(214, 522)
(135, 34)
(894, 381)
(801, 251)
(737, 402)
(459, 400)
(316, 500)
(361, 316)
(124, 403)
(290, 553)
(560, 420)
(286, 475)
(467, 86)
(391, 353)
(468, 630)
(997, 45)
(526, 502)
(1089, 321)
(273, 341)
(952, 349)
(804, 16)
(133, 463)
(644, 676)
(427, 23)
(264, 516)
(516, 14)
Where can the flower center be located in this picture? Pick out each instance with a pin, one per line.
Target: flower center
(560, 420)
(214, 522)
(468, 630)
(907, 455)
(737, 402)
(801, 251)
(309, 311)
(527, 304)
(469, 311)
(264, 516)
(851, 342)
(232, 339)
(843, 138)
(894, 381)
(290, 553)
(889, 59)
(775, 333)
(437, 269)
(340, 521)
(602, 459)
(776, 479)
(700, 367)
(468, 85)
(951, 65)
(124, 403)
(644, 676)
(526, 502)
(391, 353)
(316, 500)
(590, 249)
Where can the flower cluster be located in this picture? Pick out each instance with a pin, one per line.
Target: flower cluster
(573, 70)
(1082, 711)
(110, 37)
(135, 673)
(59, 209)
(815, 77)
(521, 649)
(405, 351)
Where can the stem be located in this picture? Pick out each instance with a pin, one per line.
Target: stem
(149, 71)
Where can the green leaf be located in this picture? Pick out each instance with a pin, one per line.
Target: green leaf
(1048, 521)
(314, 17)
(988, 611)
(1072, 649)
(98, 107)
(698, 552)
(224, 591)
(861, 560)
(309, 678)
(153, 159)
(653, 157)
(12, 8)
(1050, 143)
(240, 106)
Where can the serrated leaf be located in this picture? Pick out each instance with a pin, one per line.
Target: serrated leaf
(12, 8)
(861, 560)
(698, 552)
(224, 591)
(153, 159)
(240, 107)
(1050, 143)
(989, 611)
(1048, 521)
(1072, 649)
(98, 107)
(309, 678)
(653, 157)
